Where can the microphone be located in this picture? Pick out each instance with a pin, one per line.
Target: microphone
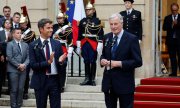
(106, 42)
(43, 44)
(36, 46)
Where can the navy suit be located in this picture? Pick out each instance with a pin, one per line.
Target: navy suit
(173, 41)
(43, 84)
(120, 81)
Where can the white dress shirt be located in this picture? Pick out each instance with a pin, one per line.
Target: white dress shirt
(53, 65)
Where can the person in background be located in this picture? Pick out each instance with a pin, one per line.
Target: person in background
(121, 55)
(172, 27)
(5, 36)
(46, 59)
(7, 14)
(63, 32)
(90, 42)
(132, 19)
(16, 19)
(18, 59)
(28, 36)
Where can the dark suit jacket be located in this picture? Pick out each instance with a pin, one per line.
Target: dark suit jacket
(3, 44)
(121, 80)
(133, 22)
(39, 64)
(167, 26)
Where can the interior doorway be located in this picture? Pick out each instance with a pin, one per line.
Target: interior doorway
(164, 10)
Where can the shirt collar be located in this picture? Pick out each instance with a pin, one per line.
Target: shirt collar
(130, 10)
(17, 41)
(42, 39)
(120, 34)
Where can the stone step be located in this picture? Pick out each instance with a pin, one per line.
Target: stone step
(72, 88)
(65, 103)
(73, 96)
(78, 80)
(74, 80)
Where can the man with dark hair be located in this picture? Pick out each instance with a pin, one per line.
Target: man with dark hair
(16, 19)
(132, 19)
(7, 14)
(46, 59)
(18, 58)
(172, 26)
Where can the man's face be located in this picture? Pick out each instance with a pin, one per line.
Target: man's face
(89, 12)
(16, 18)
(128, 5)
(115, 25)
(23, 25)
(174, 10)
(60, 20)
(7, 12)
(46, 31)
(17, 34)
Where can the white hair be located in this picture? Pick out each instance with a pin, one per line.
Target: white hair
(116, 15)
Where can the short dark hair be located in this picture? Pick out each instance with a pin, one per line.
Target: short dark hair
(43, 22)
(3, 25)
(14, 29)
(6, 7)
(174, 4)
(16, 13)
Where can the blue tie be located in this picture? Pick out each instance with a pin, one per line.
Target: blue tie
(47, 55)
(114, 47)
(19, 47)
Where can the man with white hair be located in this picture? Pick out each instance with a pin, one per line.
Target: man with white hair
(121, 55)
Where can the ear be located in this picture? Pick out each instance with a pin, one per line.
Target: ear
(41, 29)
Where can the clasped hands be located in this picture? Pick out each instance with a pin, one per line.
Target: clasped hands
(61, 58)
(106, 63)
(21, 67)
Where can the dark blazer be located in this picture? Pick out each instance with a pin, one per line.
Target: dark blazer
(121, 80)
(133, 22)
(38, 61)
(3, 44)
(2, 36)
(167, 26)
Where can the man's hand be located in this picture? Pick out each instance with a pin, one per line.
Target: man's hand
(2, 58)
(51, 58)
(62, 58)
(21, 67)
(104, 62)
(174, 22)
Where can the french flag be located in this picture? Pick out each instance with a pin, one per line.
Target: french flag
(75, 12)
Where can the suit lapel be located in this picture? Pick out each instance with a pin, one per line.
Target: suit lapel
(4, 35)
(52, 45)
(16, 46)
(40, 46)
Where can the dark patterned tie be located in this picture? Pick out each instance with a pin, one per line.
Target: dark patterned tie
(47, 55)
(15, 26)
(19, 46)
(128, 13)
(114, 46)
